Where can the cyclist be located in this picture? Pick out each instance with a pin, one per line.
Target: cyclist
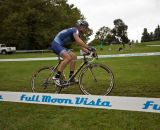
(66, 37)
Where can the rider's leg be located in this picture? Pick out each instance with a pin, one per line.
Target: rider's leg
(66, 59)
(73, 65)
(73, 61)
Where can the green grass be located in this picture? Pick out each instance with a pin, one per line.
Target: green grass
(135, 76)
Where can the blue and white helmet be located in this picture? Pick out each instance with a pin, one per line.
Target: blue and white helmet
(82, 23)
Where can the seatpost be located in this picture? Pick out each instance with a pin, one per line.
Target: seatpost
(59, 59)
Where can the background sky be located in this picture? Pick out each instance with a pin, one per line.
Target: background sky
(137, 14)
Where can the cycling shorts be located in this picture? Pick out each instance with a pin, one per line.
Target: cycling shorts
(58, 48)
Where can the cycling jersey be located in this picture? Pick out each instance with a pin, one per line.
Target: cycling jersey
(63, 38)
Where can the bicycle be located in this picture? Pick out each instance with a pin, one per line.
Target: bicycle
(94, 78)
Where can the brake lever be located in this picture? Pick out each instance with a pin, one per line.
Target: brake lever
(94, 54)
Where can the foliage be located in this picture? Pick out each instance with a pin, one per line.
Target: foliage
(120, 30)
(147, 37)
(32, 24)
(157, 34)
(110, 35)
(102, 33)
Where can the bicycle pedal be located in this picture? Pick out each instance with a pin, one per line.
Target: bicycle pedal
(64, 85)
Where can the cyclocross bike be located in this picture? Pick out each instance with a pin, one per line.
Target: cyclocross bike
(93, 78)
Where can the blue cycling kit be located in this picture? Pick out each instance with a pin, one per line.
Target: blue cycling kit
(63, 38)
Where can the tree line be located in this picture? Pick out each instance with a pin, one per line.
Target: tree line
(115, 35)
(32, 24)
(152, 36)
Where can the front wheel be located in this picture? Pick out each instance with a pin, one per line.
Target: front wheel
(42, 81)
(96, 79)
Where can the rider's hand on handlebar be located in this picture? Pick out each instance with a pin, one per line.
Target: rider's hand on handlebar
(94, 55)
(92, 49)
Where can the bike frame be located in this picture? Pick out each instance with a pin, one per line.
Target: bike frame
(85, 62)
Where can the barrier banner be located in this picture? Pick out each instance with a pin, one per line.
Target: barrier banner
(89, 101)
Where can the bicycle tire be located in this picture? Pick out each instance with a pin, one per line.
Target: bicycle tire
(96, 79)
(42, 81)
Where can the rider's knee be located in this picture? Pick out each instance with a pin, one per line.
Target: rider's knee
(68, 58)
(74, 57)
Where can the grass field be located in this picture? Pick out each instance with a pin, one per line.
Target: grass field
(135, 76)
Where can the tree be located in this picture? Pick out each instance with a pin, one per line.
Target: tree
(120, 30)
(102, 35)
(157, 33)
(151, 35)
(32, 24)
(117, 35)
(145, 36)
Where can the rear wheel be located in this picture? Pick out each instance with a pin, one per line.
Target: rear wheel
(42, 81)
(96, 79)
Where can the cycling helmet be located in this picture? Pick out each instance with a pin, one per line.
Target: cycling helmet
(82, 23)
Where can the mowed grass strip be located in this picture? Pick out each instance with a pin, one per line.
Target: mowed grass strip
(107, 50)
(136, 76)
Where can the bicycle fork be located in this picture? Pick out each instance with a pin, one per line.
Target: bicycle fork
(90, 69)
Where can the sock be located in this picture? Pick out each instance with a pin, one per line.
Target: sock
(58, 74)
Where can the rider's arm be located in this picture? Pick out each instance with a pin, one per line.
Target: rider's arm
(84, 50)
(79, 41)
